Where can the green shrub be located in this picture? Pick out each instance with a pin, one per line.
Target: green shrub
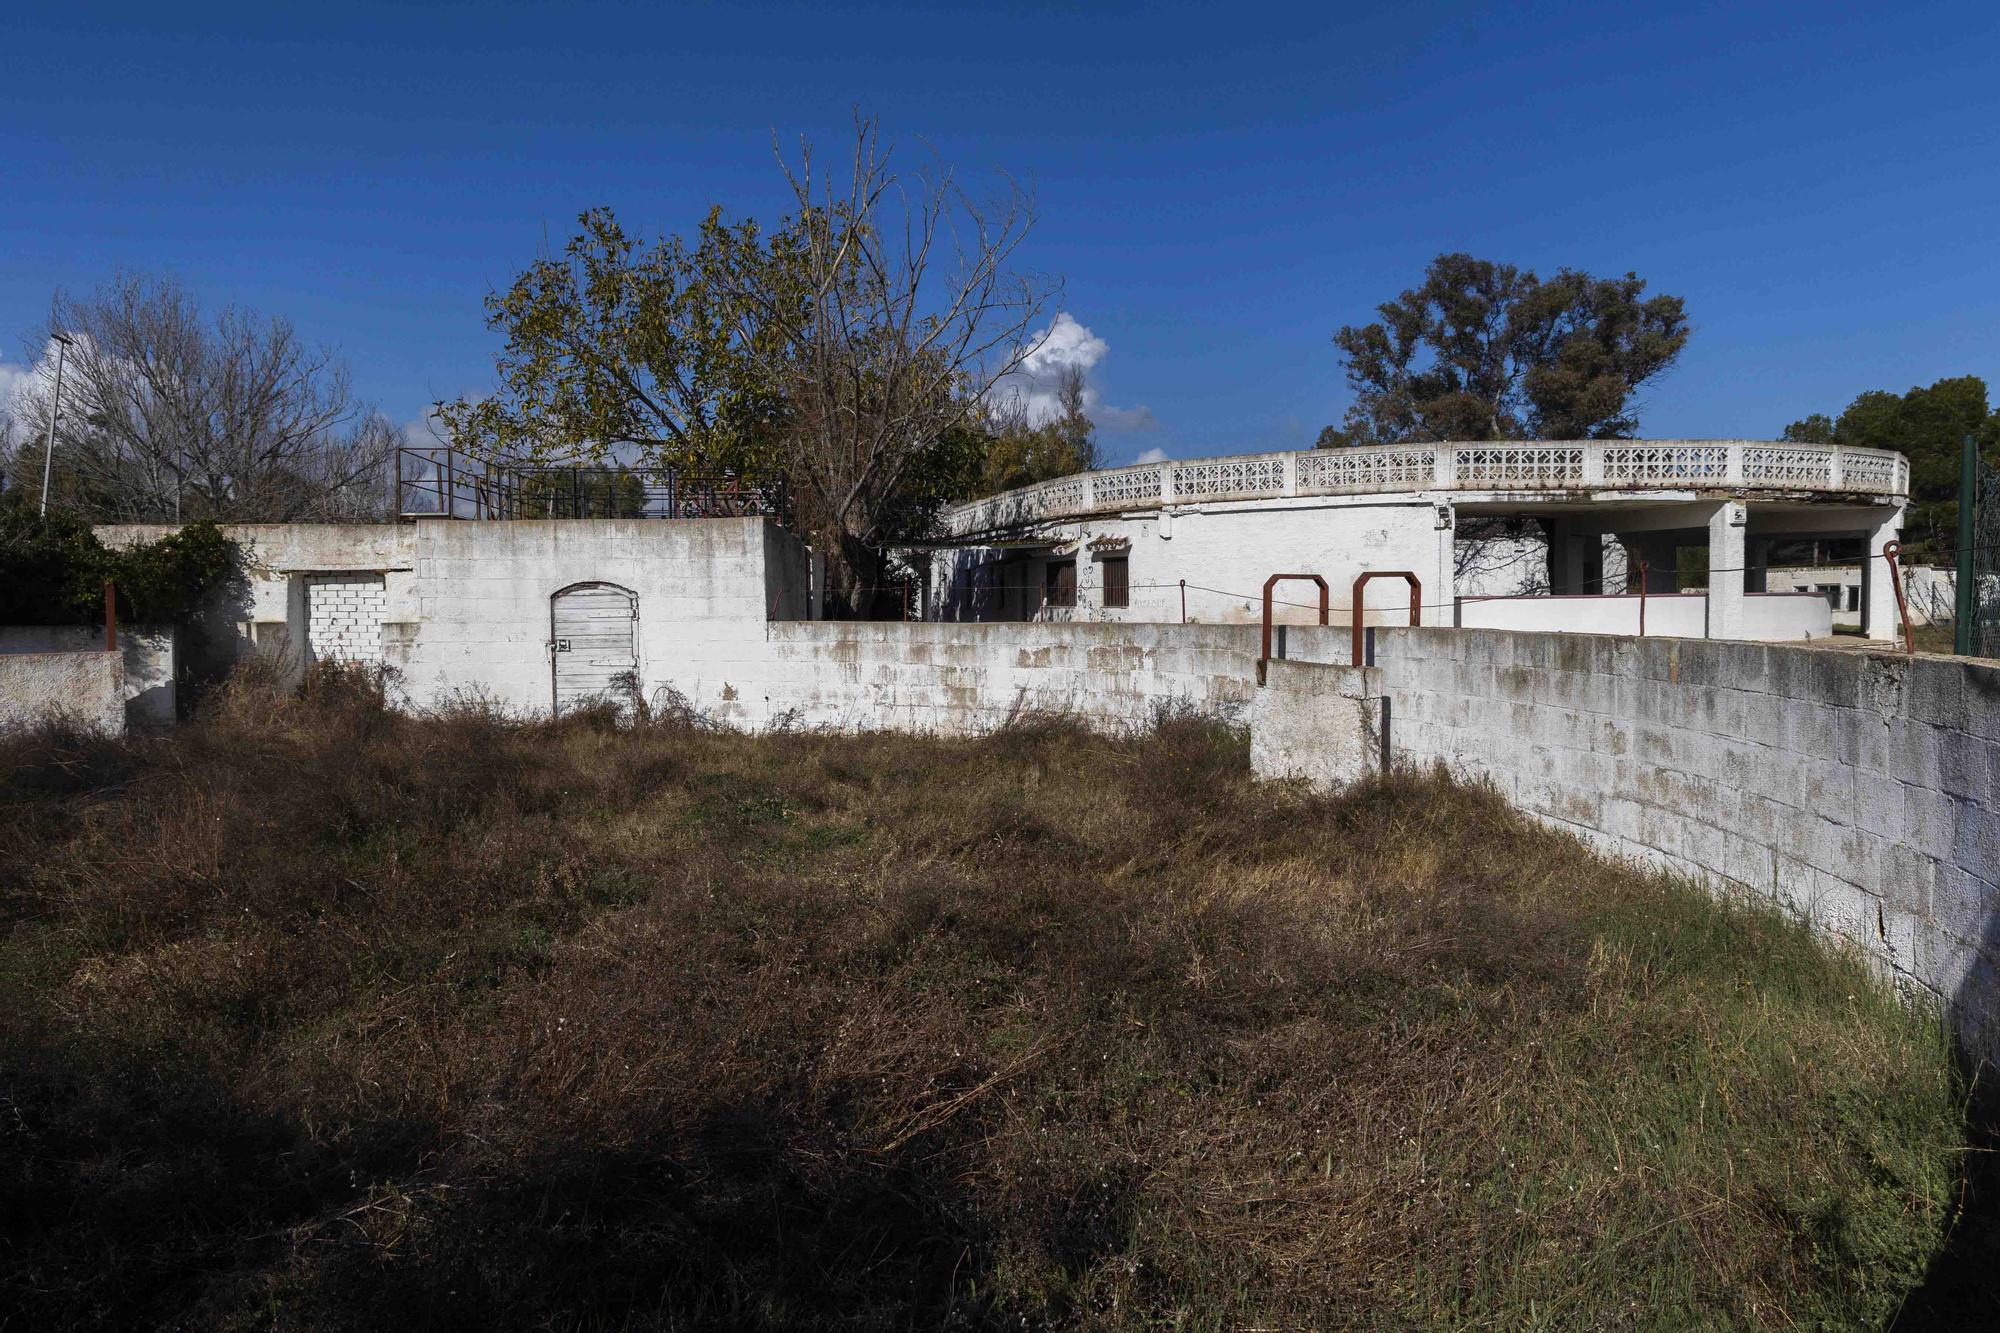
(53, 570)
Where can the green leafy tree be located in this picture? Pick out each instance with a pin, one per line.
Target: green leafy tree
(847, 349)
(625, 349)
(1486, 351)
(1927, 425)
(1020, 452)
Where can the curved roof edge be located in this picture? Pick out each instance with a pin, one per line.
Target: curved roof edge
(1523, 467)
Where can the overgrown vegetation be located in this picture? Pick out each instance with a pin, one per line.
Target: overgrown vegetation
(53, 569)
(317, 1016)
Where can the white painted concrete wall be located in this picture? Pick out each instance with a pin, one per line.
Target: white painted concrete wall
(479, 606)
(1320, 724)
(88, 688)
(1766, 617)
(1861, 788)
(966, 679)
(146, 653)
(462, 608)
(1673, 614)
(1225, 552)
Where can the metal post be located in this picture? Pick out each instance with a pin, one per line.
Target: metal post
(55, 411)
(1965, 605)
(1643, 568)
(1183, 601)
(1890, 551)
(110, 618)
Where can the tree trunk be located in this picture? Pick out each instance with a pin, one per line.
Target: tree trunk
(862, 565)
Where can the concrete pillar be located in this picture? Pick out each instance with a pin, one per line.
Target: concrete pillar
(1575, 552)
(1879, 619)
(1440, 590)
(1727, 550)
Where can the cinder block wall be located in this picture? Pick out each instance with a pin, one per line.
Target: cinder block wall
(965, 679)
(1861, 788)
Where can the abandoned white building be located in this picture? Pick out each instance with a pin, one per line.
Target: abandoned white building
(1195, 539)
(1856, 786)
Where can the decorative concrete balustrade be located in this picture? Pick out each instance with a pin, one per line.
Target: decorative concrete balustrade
(1503, 468)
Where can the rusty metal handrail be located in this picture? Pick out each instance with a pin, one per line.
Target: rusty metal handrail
(1358, 611)
(1890, 551)
(1325, 607)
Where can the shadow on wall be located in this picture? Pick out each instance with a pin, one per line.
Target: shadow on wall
(1958, 1290)
(214, 638)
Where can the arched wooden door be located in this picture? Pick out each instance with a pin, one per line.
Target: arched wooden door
(595, 628)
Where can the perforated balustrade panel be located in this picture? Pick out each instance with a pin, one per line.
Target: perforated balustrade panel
(596, 630)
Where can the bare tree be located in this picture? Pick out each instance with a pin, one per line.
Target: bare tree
(166, 416)
(888, 329)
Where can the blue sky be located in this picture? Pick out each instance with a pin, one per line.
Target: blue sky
(1220, 186)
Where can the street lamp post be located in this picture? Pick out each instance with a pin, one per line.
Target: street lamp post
(55, 410)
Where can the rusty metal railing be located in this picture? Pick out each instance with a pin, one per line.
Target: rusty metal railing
(1890, 551)
(439, 482)
(1264, 656)
(1360, 609)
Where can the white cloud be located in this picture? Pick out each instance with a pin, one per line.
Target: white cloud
(20, 385)
(1153, 455)
(1123, 420)
(1064, 344)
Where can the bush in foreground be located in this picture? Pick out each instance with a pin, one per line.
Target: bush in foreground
(316, 1016)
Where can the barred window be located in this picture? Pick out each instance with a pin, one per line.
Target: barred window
(1060, 584)
(1116, 570)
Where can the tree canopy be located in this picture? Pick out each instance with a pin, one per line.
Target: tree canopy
(852, 348)
(1927, 425)
(1487, 351)
(169, 415)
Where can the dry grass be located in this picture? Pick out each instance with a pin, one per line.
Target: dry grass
(315, 1016)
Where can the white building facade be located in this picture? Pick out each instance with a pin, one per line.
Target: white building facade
(1196, 539)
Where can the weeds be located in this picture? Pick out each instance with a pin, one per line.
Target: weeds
(315, 1015)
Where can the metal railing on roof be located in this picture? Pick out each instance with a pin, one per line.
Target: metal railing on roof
(440, 482)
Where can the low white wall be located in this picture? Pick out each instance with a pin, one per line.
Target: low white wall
(85, 687)
(1768, 617)
(1677, 614)
(1862, 788)
(1787, 617)
(146, 653)
(965, 679)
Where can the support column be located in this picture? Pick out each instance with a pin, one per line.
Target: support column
(1555, 536)
(1727, 609)
(1575, 562)
(1442, 590)
(1878, 595)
